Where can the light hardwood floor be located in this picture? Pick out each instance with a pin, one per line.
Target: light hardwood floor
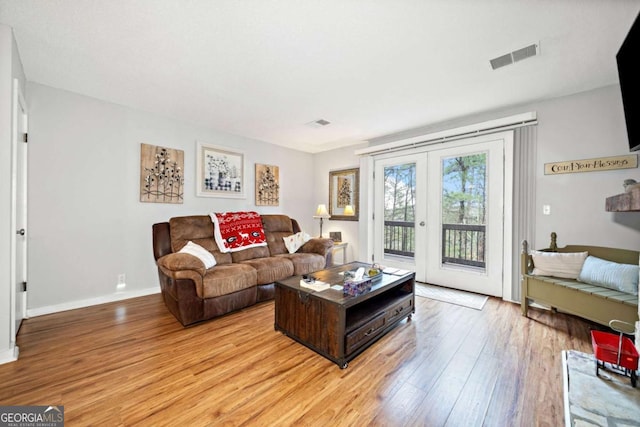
(132, 363)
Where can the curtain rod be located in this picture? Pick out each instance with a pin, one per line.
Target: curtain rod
(494, 126)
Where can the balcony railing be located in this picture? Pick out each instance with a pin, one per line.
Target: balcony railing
(399, 238)
(461, 243)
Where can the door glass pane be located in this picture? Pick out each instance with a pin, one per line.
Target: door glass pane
(464, 210)
(399, 209)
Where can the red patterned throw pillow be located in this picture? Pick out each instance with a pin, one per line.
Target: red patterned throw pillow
(235, 231)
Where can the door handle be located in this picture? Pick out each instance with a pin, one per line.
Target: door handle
(422, 223)
(21, 232)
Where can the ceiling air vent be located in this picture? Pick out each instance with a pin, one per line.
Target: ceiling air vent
(525, 52)
(515, 56)
(501, 61)
(319, 123)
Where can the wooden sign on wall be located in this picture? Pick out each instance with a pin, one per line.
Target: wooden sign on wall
(161, 174)
(267, 185)
(592, 165)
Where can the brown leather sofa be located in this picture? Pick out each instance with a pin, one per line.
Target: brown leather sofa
(239, 279)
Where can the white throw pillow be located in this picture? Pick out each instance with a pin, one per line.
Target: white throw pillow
(295, 241)
(199, 252)
(558, 264)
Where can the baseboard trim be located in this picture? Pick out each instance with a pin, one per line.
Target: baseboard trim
(9, 355)
(72, 305)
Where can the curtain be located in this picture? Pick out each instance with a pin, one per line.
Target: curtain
(524, 197)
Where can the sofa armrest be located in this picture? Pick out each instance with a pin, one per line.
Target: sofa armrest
(175, 262)
(184, 266)
(320, 246)
(317, 245)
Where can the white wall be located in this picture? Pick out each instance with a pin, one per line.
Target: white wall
(584, 126)
(10, 68)
(581, 126)
(86, 222)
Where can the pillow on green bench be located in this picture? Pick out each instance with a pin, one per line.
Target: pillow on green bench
(558, 264)
(612, 275)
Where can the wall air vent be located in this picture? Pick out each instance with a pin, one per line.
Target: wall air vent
(515, 56)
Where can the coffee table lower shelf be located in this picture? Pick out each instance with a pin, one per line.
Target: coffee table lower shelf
(341, 327)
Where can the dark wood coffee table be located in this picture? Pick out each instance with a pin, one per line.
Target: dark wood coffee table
(337, 326)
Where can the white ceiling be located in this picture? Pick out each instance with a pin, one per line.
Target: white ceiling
(263, 69)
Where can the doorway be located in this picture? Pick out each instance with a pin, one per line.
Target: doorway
(18, 210)
(441, 213)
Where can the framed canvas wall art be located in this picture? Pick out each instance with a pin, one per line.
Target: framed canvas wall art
(220, 172)
(344, 187)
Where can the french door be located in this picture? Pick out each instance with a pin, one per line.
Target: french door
(400, 212)
(440, 213)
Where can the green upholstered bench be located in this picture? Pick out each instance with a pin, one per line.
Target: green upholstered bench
(592, 302)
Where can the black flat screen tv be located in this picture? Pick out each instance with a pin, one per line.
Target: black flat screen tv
(628, 59)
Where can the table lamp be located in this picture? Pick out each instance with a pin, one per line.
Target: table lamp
(321, 212)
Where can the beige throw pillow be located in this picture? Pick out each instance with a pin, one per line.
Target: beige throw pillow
(295, 241)
(558, 264)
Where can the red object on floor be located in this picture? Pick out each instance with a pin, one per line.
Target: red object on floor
(605, 348)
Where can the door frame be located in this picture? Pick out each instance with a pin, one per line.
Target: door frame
(18, 311)
(368, 163)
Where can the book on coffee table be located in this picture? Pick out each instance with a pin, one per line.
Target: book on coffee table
(316, 285)
(395, 271)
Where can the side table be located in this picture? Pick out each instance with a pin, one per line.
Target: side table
(341, 245)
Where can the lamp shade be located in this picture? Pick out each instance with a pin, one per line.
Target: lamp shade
(348, 211)
(321, 212)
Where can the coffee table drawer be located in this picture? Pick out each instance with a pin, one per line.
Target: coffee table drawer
(399, 310)
(365, 333)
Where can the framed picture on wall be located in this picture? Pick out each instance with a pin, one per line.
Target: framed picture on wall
(344, 187)
(220, 172)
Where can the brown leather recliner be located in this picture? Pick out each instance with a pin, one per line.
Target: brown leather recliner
(239, 279)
